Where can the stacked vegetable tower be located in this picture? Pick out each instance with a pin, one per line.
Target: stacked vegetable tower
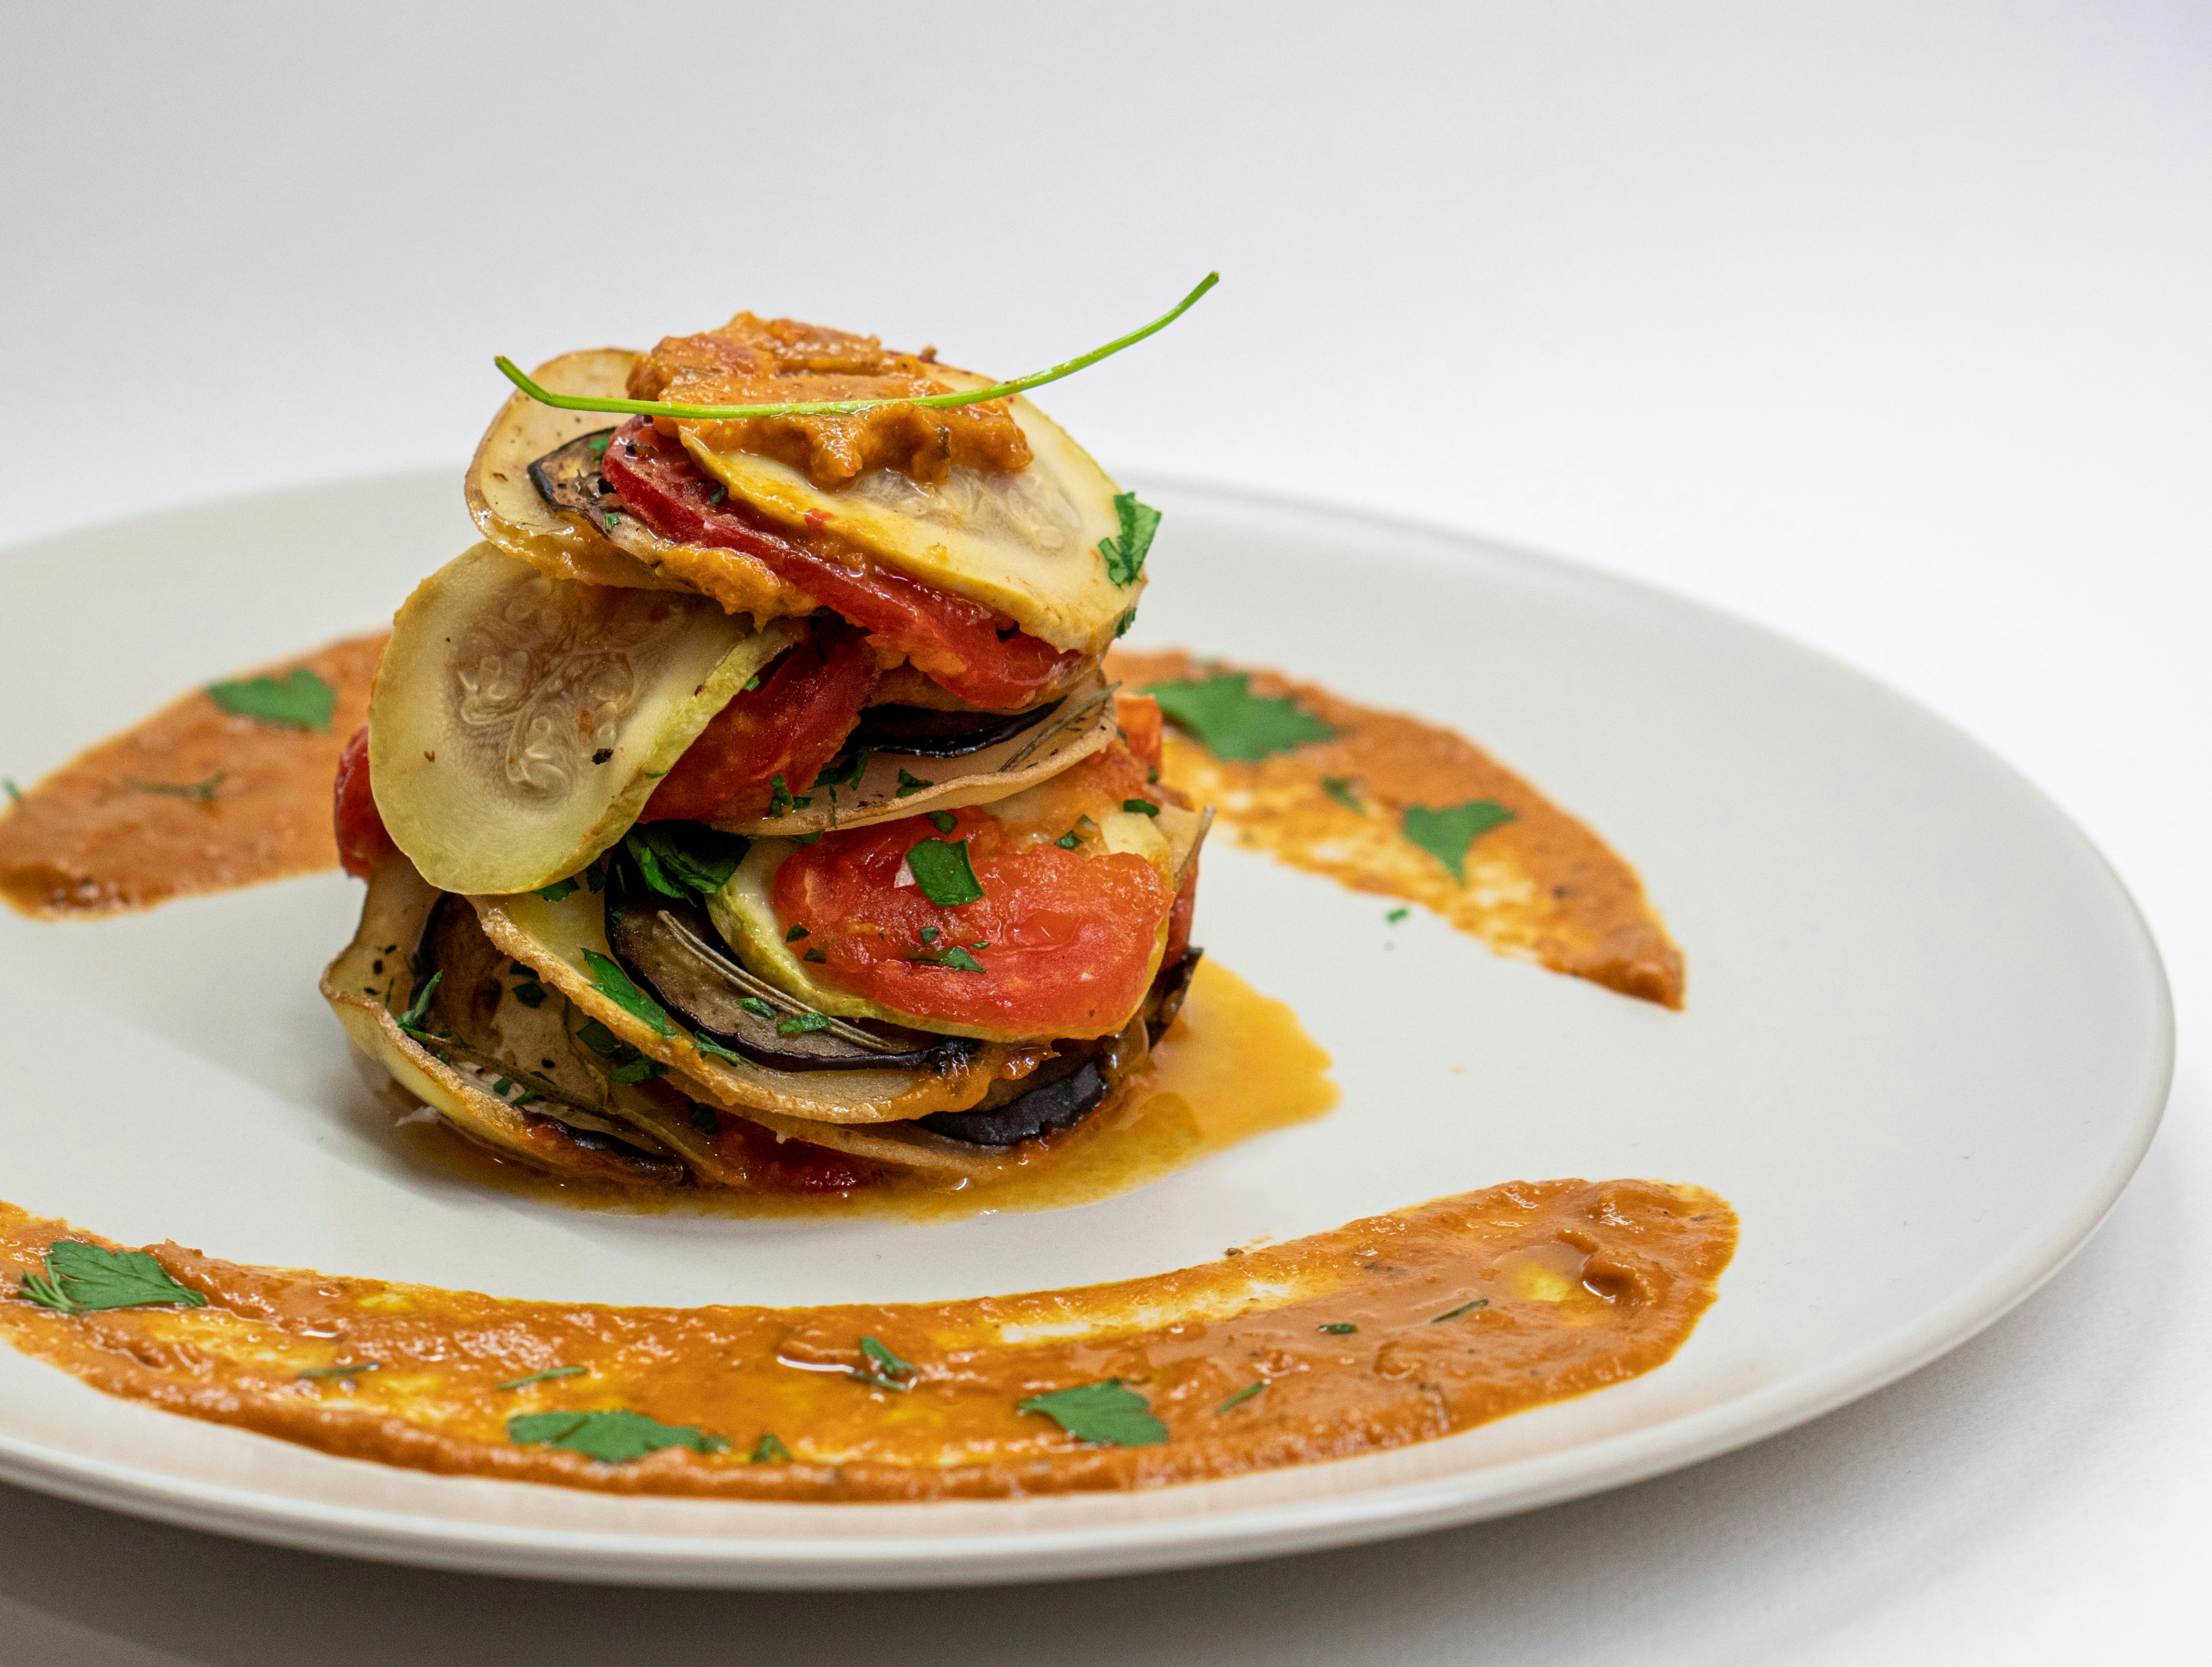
(749, 808)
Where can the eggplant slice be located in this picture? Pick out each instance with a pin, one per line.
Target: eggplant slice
(673, 953)
(923, 731)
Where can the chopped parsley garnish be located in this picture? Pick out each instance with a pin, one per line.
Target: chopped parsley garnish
(684, 859)
(542, 1377)
(1396, 915)
(1445, 834)
(1102, 1412)
(884, 1370)
(1464, 1308)
(1339, 787)
(300, 701)
(15, 793)
(713, 1050)
(802, 1024)
(614, 1437)
(942, 870)
(1068, 841)
(706, 1119)
(815, 956)
(755, 1006)
(794, 934)
(1232, 723)
(1340, 1328)
(846, 774)
(956, 958)
(199, 791)
(1242, 1396)
(558, 890)
(1121, 625)
(611, 982)
(80, 1279)
(598, 445)
(943, 821)
(612, 520)
(627, 1064)
(1141, 807)
(530, 994)
(780, 800)
(770, 1451)
(418, 1010)
(353, 1370)
(909, 782)
(753, 682)
(929, 934)
(1125, 553)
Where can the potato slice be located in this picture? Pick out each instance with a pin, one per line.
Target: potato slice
(1024, 544)
(555, 937)
(518, 722)
(373, 979)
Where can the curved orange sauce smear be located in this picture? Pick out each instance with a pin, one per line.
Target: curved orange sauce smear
(92, 839)
(1463, 1311)
(1542, 887)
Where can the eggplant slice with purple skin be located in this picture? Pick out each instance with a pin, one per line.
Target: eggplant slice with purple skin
(1076, 1081)
(921, 731)
(672, 951)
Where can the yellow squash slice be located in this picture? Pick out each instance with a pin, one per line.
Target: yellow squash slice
(518, 722)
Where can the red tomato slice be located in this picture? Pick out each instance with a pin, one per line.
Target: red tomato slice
(1064, 940)
(361, 838)
(956, 642)
(791, 725)
(773, 1164)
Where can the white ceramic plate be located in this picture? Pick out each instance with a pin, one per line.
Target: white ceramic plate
(1927, 1039)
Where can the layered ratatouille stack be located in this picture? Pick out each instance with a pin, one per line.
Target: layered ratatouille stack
(750, 808)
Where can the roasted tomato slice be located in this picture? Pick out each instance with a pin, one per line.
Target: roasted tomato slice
(954, 641)
(770, 1164)
(361, 838)
(1061, 943)
(791, 725)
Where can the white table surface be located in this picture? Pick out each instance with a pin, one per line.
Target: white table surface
(1884, 325)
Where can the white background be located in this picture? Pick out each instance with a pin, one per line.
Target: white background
(1884, 325)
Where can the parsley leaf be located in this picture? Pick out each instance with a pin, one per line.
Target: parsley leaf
(706, 1119)
(884, 1370)
(768, 1450)
(943, 871)
(801, 1023)
(1141, 807)
(530, 993)
(627, 1063)
(943, 821)
(613, 1436)
(794, 934)
(1241, 1397)
(684, 859)
(199, 792)
(558, 890)
(80, 1278)
(1232, 723)
(1339, 787)
(302, 701)
(1067, 841)
(611, 982)
(411, 1020)
(351, 1369)
(15, 793)
(845, 774)
(909, 782)
(541, 1377)
(1464, 1308)
(1102, 1412)
(1121, 625)
(1124, 554)
(755, 1006)
(956, 958)
(1445, 834)
(1340, 1328)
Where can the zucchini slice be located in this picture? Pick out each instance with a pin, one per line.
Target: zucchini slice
(1024, 544)
(559, 939)
(518, 722)
(744, 912)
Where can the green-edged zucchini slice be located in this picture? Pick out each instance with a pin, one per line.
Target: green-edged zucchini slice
(560, 938)
(1024, 544)
(519, 723)
(744, 912)
(372, 982)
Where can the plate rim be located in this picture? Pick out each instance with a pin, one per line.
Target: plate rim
(1201, 1538)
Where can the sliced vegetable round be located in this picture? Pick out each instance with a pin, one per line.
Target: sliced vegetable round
(519, 722)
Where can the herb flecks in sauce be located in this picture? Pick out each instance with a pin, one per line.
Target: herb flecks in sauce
(1539, 886)
(1587, 1283)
